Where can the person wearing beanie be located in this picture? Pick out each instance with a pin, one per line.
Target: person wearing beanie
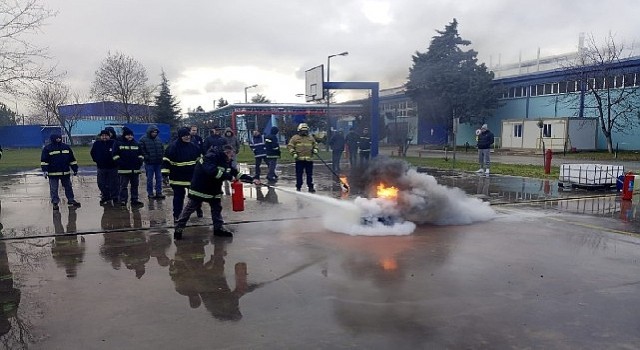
(272, 146)
(57, 162)
(179, 161)
(485, 140)
(152, 149)
(128, 158)
(102, 154)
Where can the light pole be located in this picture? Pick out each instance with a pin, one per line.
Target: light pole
(328, 97)
(245, 91)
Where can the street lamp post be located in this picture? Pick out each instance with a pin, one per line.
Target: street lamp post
(328, 95)
(255, 120)
(245, 91)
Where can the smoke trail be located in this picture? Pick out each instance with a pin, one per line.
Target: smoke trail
(421, 199)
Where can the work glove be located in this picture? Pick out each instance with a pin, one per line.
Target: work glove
(46, 175)
(315, 151)
(295, 156)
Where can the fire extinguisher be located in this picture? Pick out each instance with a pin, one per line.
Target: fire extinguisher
(237, 196)
(627, 186)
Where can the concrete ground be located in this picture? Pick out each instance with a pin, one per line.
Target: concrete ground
(555, 270)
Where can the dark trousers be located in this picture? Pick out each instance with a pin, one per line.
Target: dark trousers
(179, 192)
(364, 157)
(108, 183)
(125, 180)
(353, 156)
(54, 182)
(153, 171)
(271, 165)
(304, 166)
(336, 155)
(258, 163)
(194, 204)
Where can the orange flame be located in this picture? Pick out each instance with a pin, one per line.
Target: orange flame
(388, 264)
(386, 192)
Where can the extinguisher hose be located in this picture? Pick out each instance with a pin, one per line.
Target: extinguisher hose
(342, 183)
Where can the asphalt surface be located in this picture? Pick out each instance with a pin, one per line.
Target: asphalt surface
(553, 269)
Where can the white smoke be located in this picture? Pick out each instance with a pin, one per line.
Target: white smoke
(423, 200)
(348, 218)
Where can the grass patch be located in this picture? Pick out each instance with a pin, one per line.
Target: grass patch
(602, 155)
(29, 158)
(524, 170)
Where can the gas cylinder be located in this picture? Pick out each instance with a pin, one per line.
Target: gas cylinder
(237, 196)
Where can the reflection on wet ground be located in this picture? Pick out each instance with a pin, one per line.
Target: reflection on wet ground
(536, 276)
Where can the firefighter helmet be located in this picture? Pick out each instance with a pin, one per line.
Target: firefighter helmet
(303, 127)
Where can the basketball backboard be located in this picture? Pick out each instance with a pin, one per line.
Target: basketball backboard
(314, 79)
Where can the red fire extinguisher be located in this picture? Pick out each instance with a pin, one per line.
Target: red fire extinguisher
(237, 196)
(627, 186)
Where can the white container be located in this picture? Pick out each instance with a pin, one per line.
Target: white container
(591, 174)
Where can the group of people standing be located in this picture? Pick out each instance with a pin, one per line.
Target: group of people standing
(195, 168)
(357, 146)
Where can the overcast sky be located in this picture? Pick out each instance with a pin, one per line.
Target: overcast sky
(211, 49)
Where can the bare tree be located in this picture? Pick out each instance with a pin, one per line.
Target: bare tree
(605, 87)
(21, 62)
(50, 97)
(123, 79)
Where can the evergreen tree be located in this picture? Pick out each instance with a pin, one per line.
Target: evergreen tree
(166, 108)
(222, 102)
(7, 116)
(447, 82)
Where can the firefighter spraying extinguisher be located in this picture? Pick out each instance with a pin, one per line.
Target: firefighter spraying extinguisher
(237, 196)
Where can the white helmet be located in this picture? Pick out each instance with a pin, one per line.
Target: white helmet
(303, 127)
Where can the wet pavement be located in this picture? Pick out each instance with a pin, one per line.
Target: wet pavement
(555, 269)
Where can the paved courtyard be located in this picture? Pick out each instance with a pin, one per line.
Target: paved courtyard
(554, 269)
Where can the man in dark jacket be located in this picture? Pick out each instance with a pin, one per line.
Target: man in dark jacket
(259, 150)
(272, 147)
(57, 162)
(180, 159)
(128, 158)
(336, 142)
(102, 154)
(195, 138)
(153, 151)
(364, 146)
(214, 140)
(485, 140)
(206, 186)
(352, 146)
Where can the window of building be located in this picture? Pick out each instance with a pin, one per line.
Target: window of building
(618, 81)
(629, 79)
(517, 130)
(554, 88)
(532, 88)
(599, 83)
(546, 130)
(562, 87)
(518, 92)
(547, 89)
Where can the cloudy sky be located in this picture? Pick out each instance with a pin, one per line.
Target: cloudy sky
(212, 48)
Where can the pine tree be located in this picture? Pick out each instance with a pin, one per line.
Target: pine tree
(447, 82)
(166, 108)
(7, 116)
(222, 102)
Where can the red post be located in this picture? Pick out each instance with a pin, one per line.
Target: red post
(547, 161)
(627, 186)
(237, 196)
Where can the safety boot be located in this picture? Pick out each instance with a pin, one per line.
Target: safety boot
(222, 232)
